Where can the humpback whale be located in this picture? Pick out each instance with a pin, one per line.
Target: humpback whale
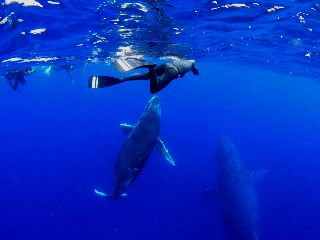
(142, 138)
(237, 193)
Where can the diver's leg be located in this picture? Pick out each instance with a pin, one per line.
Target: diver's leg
(106, 81)
(162, 82)
(20, 77)
(124, 65)
(22, 80)
(14, 84)
(151, 74)
(153, 81)
(136, 76)
(158, 71)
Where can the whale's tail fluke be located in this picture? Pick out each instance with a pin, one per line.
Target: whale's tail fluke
(102, 194)
(110, 196)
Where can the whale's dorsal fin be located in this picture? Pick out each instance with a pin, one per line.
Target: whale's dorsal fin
(126, 128)
(161, 148)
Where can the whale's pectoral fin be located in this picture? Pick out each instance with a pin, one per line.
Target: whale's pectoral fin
(126, 128)
(257, 174)
(161, 148)
(102, 194)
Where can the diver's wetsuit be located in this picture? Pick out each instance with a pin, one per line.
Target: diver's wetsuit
(163, 74)
(17, 77)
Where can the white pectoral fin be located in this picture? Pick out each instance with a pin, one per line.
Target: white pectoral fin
(105, 195)
(126, 128)
(102, 194)
(161, 148)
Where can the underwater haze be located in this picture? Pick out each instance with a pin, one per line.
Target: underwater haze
(258, 85)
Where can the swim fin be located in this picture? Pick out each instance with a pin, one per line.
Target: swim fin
(102, 81)
(125, 65)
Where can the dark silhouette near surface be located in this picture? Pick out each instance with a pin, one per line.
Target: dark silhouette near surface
(159, 76)
(16, 77)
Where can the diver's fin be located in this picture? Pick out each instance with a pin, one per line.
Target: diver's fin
(102, 81)
(125, 65)
(102, 194)
(164, 151)
(257, 174)
(126, 128)
(46, 70)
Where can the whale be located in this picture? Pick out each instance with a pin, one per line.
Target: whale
(141, 139)
(236, 192)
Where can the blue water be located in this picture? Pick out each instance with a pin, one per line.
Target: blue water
(59, 139)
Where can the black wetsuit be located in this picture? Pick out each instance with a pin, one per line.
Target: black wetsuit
(163, 74)
(17, 77)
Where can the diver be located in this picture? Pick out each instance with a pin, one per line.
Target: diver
(66, 67)
(159, 76)
(16, 77)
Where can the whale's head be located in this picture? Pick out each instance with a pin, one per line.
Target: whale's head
(153, 107)
(227, 153)
(150, 119)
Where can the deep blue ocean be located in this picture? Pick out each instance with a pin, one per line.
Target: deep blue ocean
(258, 84)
